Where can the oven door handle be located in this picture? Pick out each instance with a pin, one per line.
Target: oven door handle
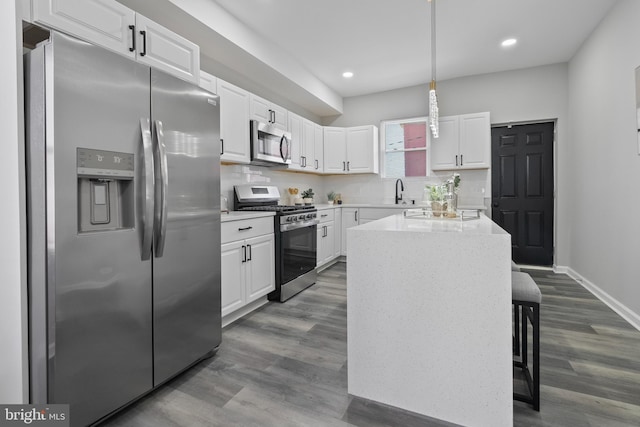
(297, 225)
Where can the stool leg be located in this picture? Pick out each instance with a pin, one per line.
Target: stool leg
(523, 337)
(536, 357)
(516, 328)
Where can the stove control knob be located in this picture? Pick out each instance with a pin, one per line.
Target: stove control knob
(292, 219)
(310, 216)
(302, 217)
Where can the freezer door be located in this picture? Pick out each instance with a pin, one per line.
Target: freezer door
(186, 263)
(88, 278)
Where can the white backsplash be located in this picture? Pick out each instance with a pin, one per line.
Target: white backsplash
(231, 175)
(475, 185)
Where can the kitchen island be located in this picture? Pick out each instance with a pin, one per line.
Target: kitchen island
(429, 317)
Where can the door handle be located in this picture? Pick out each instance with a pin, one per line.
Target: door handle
(149, 176)
(495, 204)
(133, 38)
(356, 215)
(456, 160)
(317, 164)
(249, 250)
(144, 43)
(221, 146)
(244, 253)
(162, 182)
(344, 166)
(348, 167)
(461, 163)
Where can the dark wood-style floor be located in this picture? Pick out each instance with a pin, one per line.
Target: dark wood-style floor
(285, 365)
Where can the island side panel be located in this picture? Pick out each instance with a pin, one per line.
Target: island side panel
(429, 323)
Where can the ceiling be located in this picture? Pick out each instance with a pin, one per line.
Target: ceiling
(386, 44)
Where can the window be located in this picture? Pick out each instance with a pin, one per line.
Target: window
(404, 144)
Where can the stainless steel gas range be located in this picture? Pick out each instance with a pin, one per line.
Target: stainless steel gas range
(295, 237)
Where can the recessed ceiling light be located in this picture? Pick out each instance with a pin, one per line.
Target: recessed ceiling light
(347, 74)
(509, 42)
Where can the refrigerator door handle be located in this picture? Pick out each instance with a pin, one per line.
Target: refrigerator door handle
(162, 181)
(149, 176)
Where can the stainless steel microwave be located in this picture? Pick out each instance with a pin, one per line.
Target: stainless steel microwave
(270, 146)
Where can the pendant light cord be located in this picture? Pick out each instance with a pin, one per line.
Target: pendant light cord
(433, 40)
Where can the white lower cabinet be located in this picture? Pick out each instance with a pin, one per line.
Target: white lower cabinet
(349, 219)
(248, 264)
(326, 237)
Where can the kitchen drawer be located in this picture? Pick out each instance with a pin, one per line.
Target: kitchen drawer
(246, 229)
(326, 215)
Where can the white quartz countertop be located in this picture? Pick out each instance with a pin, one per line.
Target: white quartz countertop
(400, 223)
(387, 205)
(238, 215)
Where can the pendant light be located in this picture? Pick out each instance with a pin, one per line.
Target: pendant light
(433, 98)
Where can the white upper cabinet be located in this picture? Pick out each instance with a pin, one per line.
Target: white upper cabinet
(475, 141)
(335, 149)
(306, 145)
(109, 24)
(444, 149)
(234, 123)
(362, 149)
(208, 82)
(351, 150)
(167, 51)
(318, 148)
(297, 145)
(464, 143)
(103, 22)
(267, 112)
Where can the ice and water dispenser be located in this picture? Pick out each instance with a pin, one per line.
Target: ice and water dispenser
(105, 190)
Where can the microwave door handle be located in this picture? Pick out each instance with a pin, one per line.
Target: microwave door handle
(162, 182)
(284, 141)
(147, 196)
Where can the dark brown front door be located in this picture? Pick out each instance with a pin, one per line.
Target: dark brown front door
(522, 186)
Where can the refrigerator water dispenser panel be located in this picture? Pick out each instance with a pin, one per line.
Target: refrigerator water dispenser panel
(105, 190)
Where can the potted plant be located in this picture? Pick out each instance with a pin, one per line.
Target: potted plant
(436, 197)
(331, 197)
(307, 196)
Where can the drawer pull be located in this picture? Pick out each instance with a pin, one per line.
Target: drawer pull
(322, 216)
(245, 228)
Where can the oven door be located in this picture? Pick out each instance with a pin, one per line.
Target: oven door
(298, 252)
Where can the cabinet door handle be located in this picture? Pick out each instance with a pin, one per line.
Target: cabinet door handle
(244, 253)
(245, 228)
(144, 43)
(249, 256)
(356, 215)
(348, 167)
(461, 163)
(344, 166)
(221, 146)
(456, 160)
(317, 164)
(133, 38)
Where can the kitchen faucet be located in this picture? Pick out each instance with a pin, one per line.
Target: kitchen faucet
(398, 198)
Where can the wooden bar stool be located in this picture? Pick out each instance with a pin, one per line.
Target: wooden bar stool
(526, 297)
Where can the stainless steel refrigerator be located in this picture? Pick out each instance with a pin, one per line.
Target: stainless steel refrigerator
(124, 226)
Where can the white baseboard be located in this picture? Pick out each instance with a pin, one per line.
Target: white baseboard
(232, 317)
(625, 312)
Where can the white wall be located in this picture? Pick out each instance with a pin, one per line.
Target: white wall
(605, 165)
(13, 284)
(538, 93)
